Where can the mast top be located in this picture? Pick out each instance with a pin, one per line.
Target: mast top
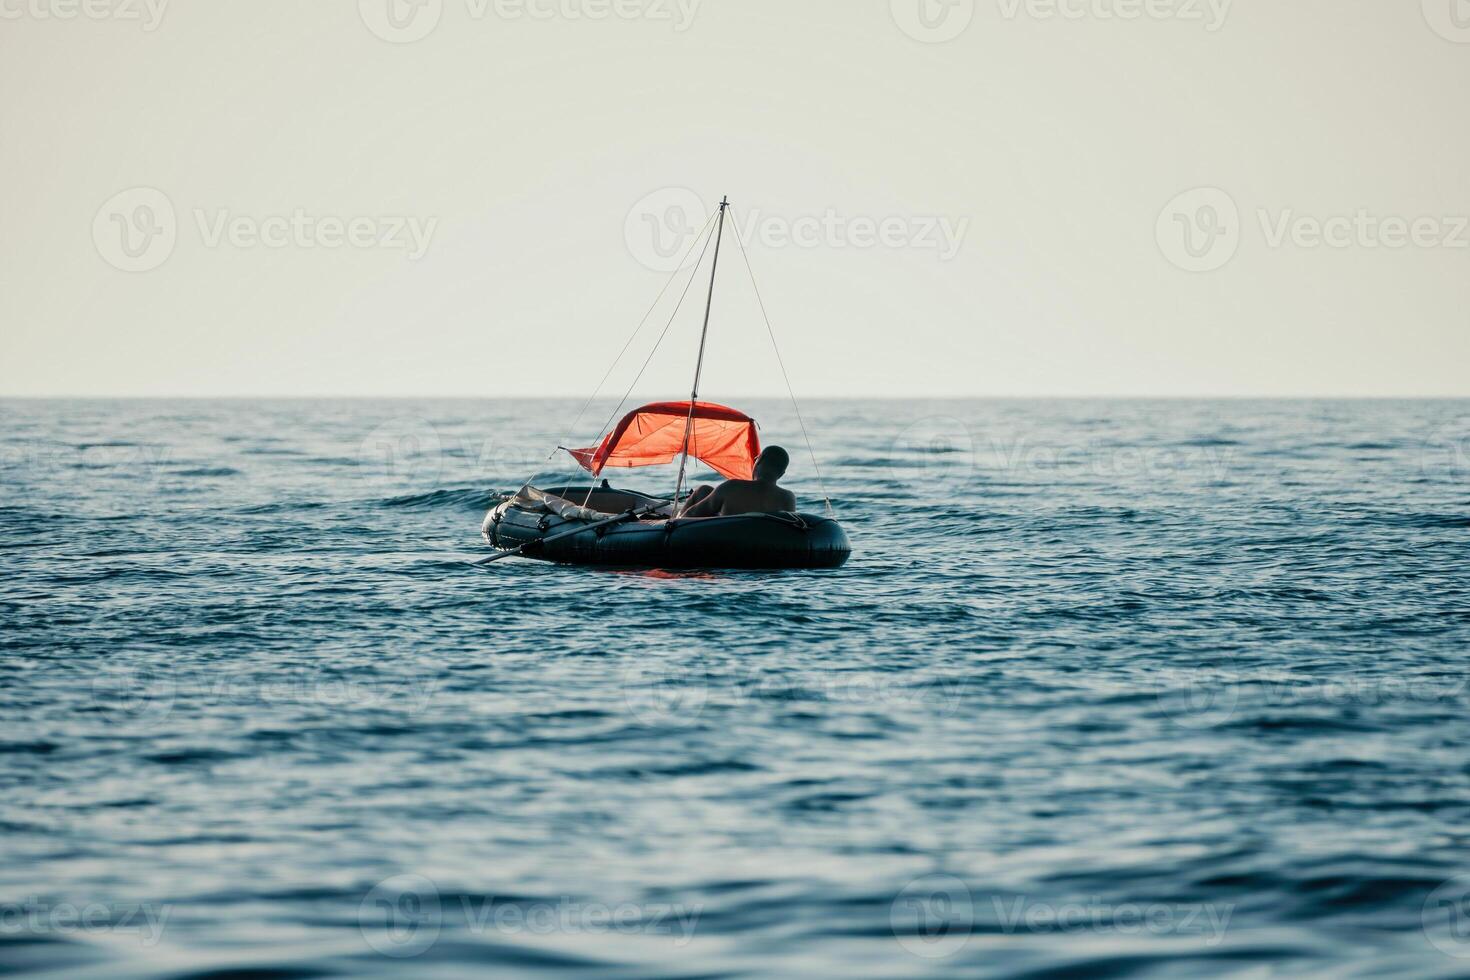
(709, 303)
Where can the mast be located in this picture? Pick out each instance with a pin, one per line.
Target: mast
(699, 361)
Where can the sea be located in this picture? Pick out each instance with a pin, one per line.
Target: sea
(1109, 688)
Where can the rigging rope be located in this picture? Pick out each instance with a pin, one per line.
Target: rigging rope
(692, 273)
(626, 344)
(662, 334)
(784, 376)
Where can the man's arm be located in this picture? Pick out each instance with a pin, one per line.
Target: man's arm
(710, 506)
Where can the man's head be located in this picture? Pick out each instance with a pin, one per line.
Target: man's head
(771, 465)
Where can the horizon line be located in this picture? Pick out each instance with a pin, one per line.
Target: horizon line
(777, 397)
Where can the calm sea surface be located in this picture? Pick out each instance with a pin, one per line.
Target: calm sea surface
(1108, 688)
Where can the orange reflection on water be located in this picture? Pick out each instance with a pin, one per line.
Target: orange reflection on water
(667, 573)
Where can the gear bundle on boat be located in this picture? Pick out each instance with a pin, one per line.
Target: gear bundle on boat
(602, 525)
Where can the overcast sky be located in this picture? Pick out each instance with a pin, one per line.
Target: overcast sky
(482, 197)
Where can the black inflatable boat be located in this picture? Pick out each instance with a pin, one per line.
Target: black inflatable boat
(604, 526)
(546, 523)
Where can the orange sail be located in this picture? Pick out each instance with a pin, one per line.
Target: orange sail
(720, 437)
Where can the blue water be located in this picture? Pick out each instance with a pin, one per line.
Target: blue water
(1107, 689)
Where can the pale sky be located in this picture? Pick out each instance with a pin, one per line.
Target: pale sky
(987, 198)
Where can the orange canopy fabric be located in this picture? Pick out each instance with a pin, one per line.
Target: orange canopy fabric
(722, 438)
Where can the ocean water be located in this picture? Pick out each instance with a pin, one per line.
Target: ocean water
(1108, 688)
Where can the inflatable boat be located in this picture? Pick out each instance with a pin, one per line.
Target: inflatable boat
(581, 525)
(601, 525)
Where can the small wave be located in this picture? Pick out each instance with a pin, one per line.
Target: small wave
(208, 471)
(284, 505)
(1304, 724)
(186, 756)
(467, 498)
(863, 462)
(28, 748)
(1427, 520)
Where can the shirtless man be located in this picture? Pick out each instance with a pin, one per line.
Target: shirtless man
(760, 495)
